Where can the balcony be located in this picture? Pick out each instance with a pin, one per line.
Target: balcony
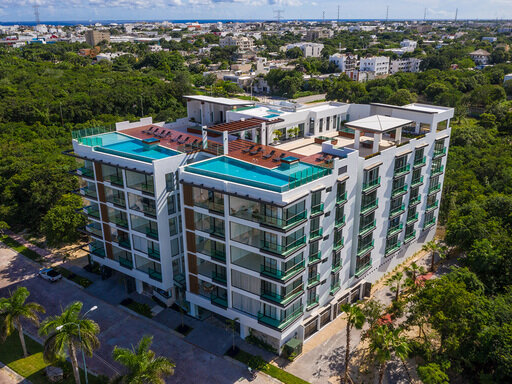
(85, 172)
(97, 249)
(280, 324)
(148, 230)
(89, 192)
(367, 228)
(369, 207)
(283, 224)
(282, 299)
(147, 188)
(312, 302)
(412, 219)
(219, 277)
(215, 231)
(439, 152)
(437, 171)
(313, 280)
(365, 248)
(371, 185)
(117, 201)
(434, 205)
(314, 258)
(127, 263)
(336, 266)
(119, 221)
(274, 273)
(219, 301)
(335, 288)
(420, 162)
(155, 275)
(402, 170)
(339, 222)
(316, 234)
(338, 244)
(410, 236)
(363, 268)
(282, 250)
(394, 230)
(114, 179)
(398, 191)
(393, 248)
(429, 223)
(417, 182)
(434, 189)
(414, 201)
(154, 253)
(341, 199)
(94, 229)
(147, 209)
(92, 211)
(317, 209)
(397, 211)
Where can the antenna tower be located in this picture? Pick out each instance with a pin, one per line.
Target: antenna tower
(338, 14)
(387, 13)
(277, 14)
(36, 14)
(425, 15)
(456, 13)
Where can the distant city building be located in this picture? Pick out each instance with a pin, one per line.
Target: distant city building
(243, 43)
(94, 37)
(480, 57)
(308, 49)
(316, 34)
(377, 64)
(507, 78)
(408, 45)
(411, 64)
(490, 39)
(344, 62)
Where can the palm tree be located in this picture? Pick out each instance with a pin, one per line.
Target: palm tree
(433, 247)
(143, 366)
(414, 270)
(13, 309)
(355, 318)
(394, 282)
(385, 343)
(231, 323)
(69, 332)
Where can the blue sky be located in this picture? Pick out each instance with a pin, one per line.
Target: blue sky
(21, 10)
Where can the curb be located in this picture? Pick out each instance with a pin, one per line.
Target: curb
(16, 375)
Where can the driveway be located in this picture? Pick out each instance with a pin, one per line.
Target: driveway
(193, 364)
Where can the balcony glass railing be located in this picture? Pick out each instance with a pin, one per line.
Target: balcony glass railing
(283, 299)
(148, 230)
(433, 205)
(402, 170)
(339, 222)
(94, 229)
(368, 228)
(336, 266)
(86, 171)
(92, 211)
(340, 199)
(371, 184)
(335, 288)
(154, 253)
(89, 192)
(219, 301)
(97, 249)
(312, 302)
(281, 323)
(412, 218)
(144, 187)
(434, 188)
(437, 171)
(338, 244)
(410, 236)
(439, 152)
(114, 179)
(280, 249)
(429, 223)
(283, 275)
(365, 248)
(316, 234)
(315, 257)
(119, 221)
(363, 268)
(397, 210)
(219, 277)
(155, 275)
(414, 200)
(117, 201)
(312, 280)
(282, 223)
(399, 190)
(368, 207)
(127, 263)
(316, 209)
(420, 162)
(393, 247)
(417, 182)
(394, 230)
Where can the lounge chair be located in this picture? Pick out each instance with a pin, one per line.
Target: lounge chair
(248, 149)
(155, 131)
(322, 158)
(177, 139)
(256, 151)
(192, 143)
(276, 159)
(183, 141)
(269, 155)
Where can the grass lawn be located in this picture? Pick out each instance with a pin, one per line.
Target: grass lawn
(11, 243)
(256, 362)
(32, 367)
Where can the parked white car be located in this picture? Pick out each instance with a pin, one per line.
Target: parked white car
(49, 274)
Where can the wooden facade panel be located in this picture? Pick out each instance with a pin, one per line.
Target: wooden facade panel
(192, 263)
(189, 219)
(101, 192)
(106, 232)
(104, 212)
(191, 241)
(110, 254)
(187, 195)
(194, 284)
(98, 170)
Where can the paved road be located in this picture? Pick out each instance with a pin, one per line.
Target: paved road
(193, 365)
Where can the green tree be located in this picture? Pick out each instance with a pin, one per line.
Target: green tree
(402, 97)
(386, 343)
(294, 53)
(354, 317)
(4, 227)
(432, 374)
(231, 324)
(13, 309)
(434, 248)
(395, 282)
(69, 332)
(142, 364)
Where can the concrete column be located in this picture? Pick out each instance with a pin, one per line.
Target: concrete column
(448, 123)
(205, 136)
(263, 134)
(225, 142)
(377, 137)
(193, 310)
(357, 137)
(244, 331)
(201, 109)
(253, 134)
(138, 286)
(417, 129)
(398, 135)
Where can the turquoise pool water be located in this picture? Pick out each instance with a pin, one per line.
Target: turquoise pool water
(278, 179)
(116, 143)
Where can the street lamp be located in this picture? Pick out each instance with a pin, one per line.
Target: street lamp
(80, 338)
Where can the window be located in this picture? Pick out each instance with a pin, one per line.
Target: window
(170, 183)
(396, 203)
(171, 206)
(341, 191)
(418, 155)
(371, 175)
(342, 170)
(400, 163)
(173, 227)
(362, 262)
(416, 175)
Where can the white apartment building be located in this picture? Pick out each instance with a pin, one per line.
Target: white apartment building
(215, 214)
(308, 49)
(243, 43)
(408, 45)
(412, 64)
(377, 64)
(345, 62)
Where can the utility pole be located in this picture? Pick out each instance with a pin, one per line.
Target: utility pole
(278, 13)
(323, 17)
(338, 14)
(425, 15)
(36, 14)
(456, 13)
(141, 107)
(387, 13)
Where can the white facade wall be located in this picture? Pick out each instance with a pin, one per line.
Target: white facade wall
(377, 64)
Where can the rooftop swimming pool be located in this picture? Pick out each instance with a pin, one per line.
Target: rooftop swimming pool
(116, 143)
(238, 171)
